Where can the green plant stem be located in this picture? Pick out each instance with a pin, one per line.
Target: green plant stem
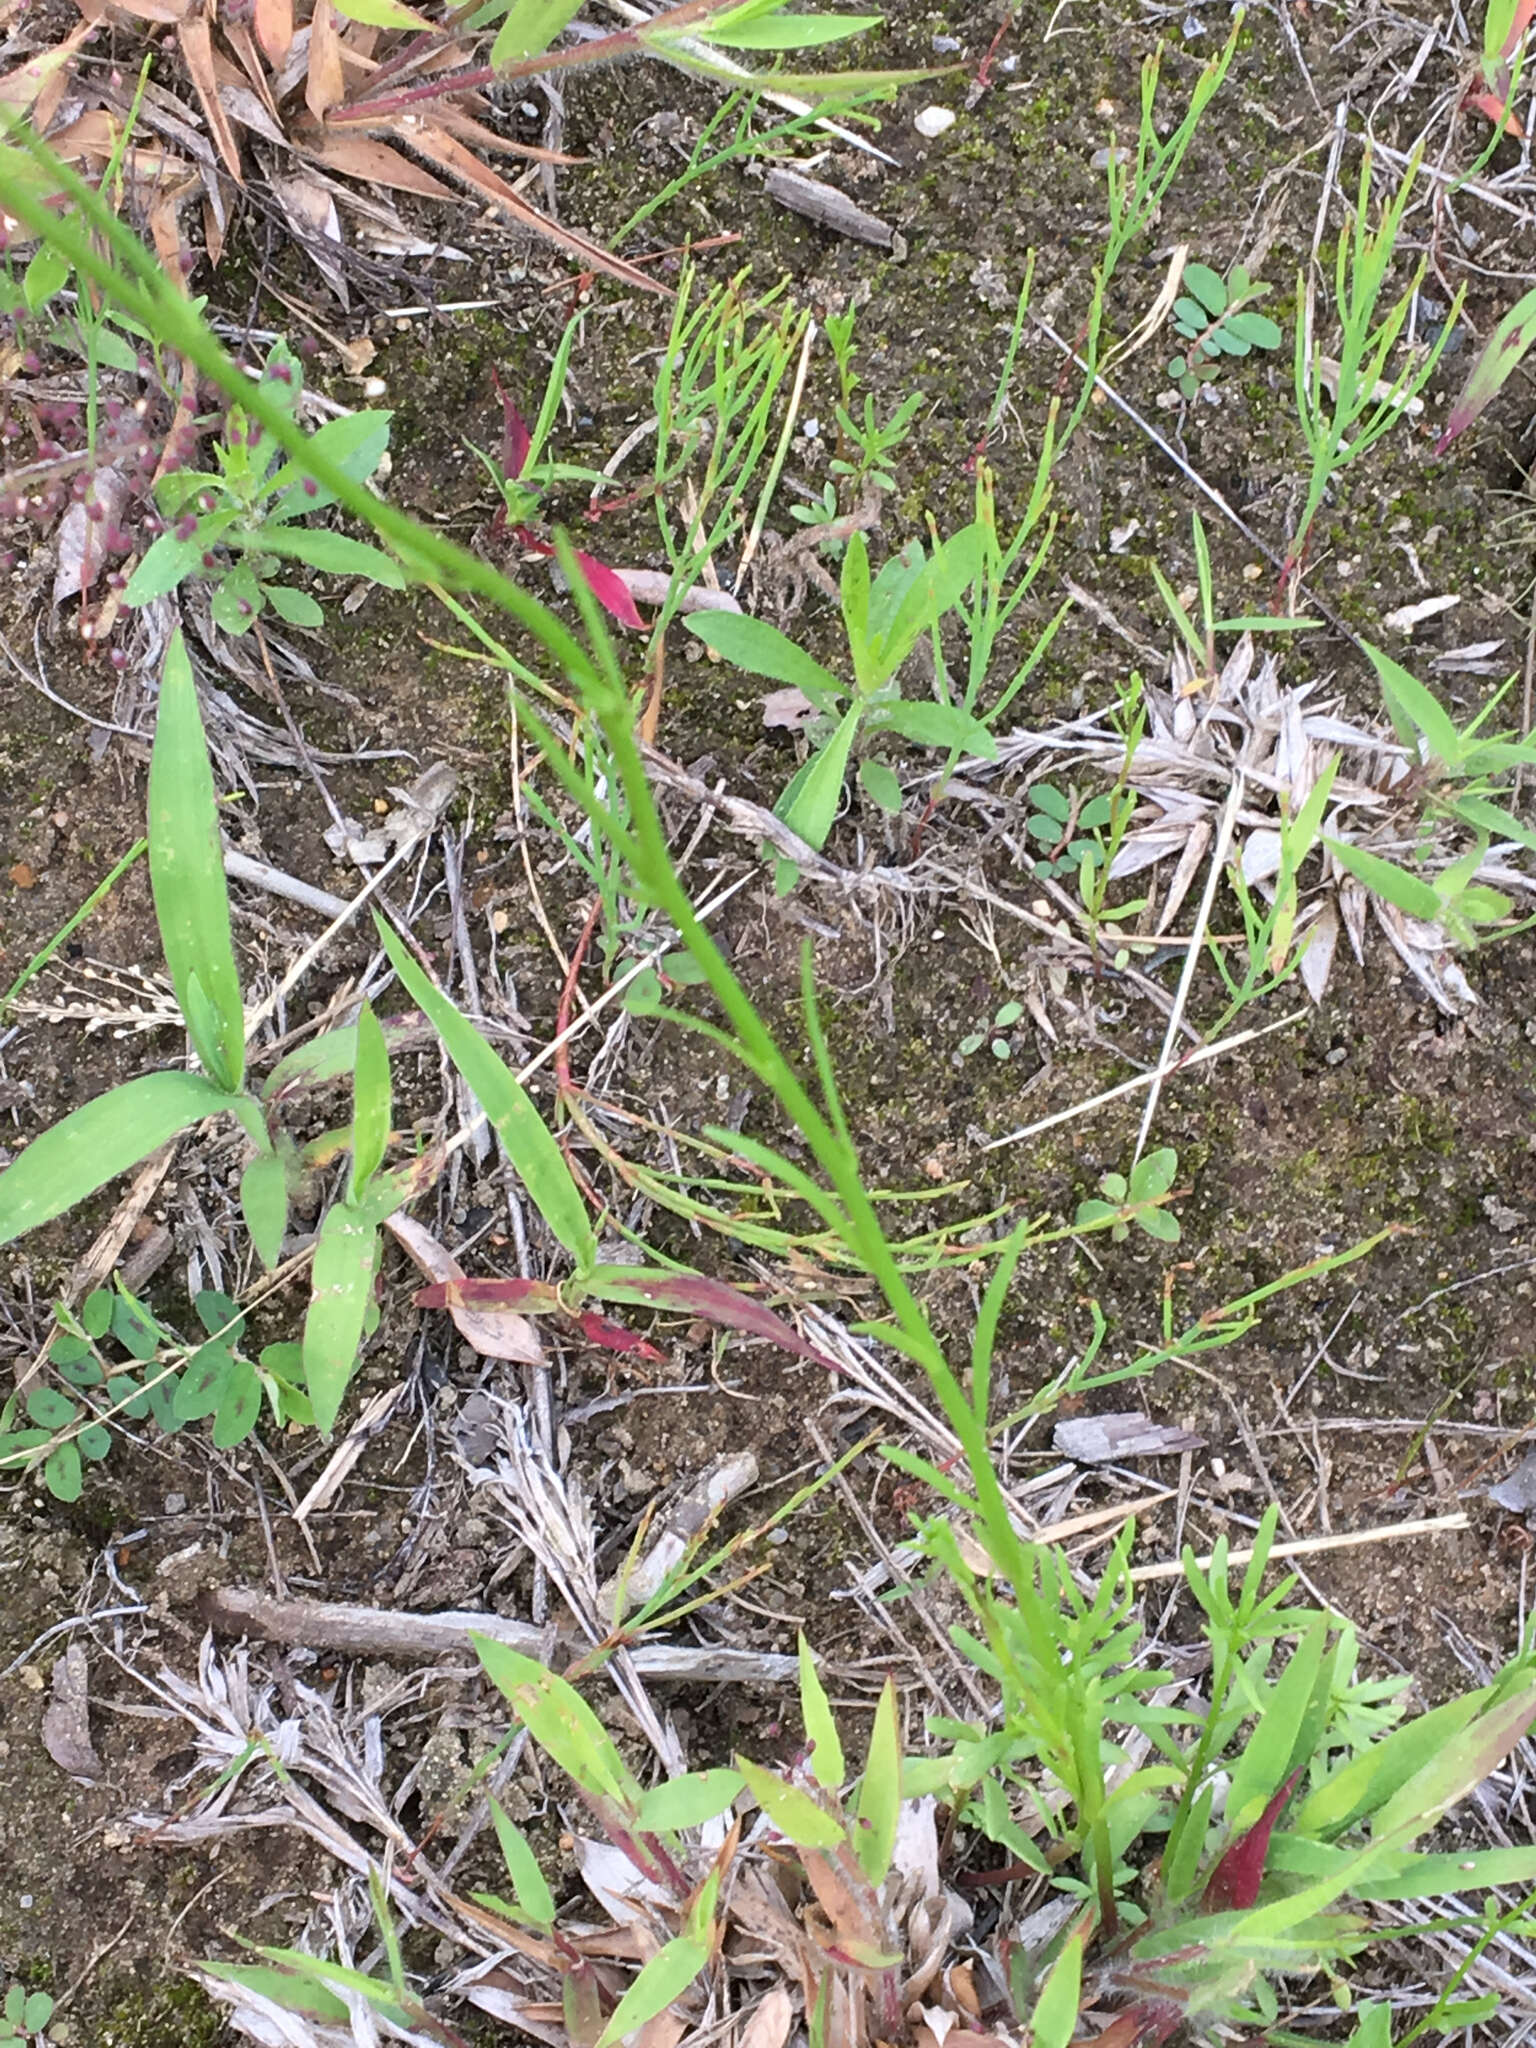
(98, 895)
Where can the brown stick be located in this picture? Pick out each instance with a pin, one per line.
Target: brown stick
(359, 1631)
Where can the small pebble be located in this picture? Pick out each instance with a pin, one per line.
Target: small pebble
(175, 1503)
(933, 121)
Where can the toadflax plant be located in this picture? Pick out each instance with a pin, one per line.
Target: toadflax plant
(1194, 1858)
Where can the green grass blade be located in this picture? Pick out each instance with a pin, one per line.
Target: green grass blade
(665, 1978)
(878, 1806)
(514, 1118)
(345, 1258)
(372, 1103)
(97, 1142)
(827, 1766)
(561, 1723)
(186, 873)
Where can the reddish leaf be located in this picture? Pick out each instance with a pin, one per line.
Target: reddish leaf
(464, 1296)
(1234, 1883)
(610, 590)
(609, 1336)
(516, 441)
(714, 1302)
(495, 1332)
(1507, 344)
(460, 1291)
(1519, 23)
(1496, 107)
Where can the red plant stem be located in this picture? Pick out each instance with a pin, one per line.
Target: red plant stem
(984, 68)
(563, 1082)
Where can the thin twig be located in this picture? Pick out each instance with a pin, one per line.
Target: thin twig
(1312, 1546)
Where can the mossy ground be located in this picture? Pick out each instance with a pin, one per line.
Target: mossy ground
(1370, 1113)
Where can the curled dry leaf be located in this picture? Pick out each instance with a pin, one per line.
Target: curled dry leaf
(66, 1727)
(81, 554)
(493, 1332)
(788, 710)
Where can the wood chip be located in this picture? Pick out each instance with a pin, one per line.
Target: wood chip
(831, 209)
(1106, 1439)
(66, 1727)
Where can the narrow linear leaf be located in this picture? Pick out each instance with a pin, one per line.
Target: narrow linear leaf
(514, 1118)
(336, 553)
(794, 1813)
(665, 1978)
(561, 1723)
(372, 1103)
(762, 650)
(529, 1887)
(688, 1801)
(878, 1806)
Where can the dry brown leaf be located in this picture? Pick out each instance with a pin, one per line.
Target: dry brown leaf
(664, 2031)
(196, 39)
(238, 35)
(468, 130)
(213, 233)
(165, 232)
(494, 1333)
(274, 29)
(440, 148)
(312, 216)
(769, 2026)
(374, 163)
(157, 13)
(852, 1923)
(81, 555)
(324, 85)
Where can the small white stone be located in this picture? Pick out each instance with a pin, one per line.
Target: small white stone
(933, 121)
(374, 387)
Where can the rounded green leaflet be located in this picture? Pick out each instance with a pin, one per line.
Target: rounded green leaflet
(62, 1472)
(1207, 286)
(201, 1381)
(97, 1142)
(50, 1408)
(1257, 329)
(239, 1405)
(95, 1440)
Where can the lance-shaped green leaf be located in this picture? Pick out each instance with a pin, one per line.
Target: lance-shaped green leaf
(100, 1140)
(878, 1806)
(346, 1257)
(561, 1723)
(827, 1766)
(665, 1978)
(186, 873)
(1493, 369)
(794, 1813)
